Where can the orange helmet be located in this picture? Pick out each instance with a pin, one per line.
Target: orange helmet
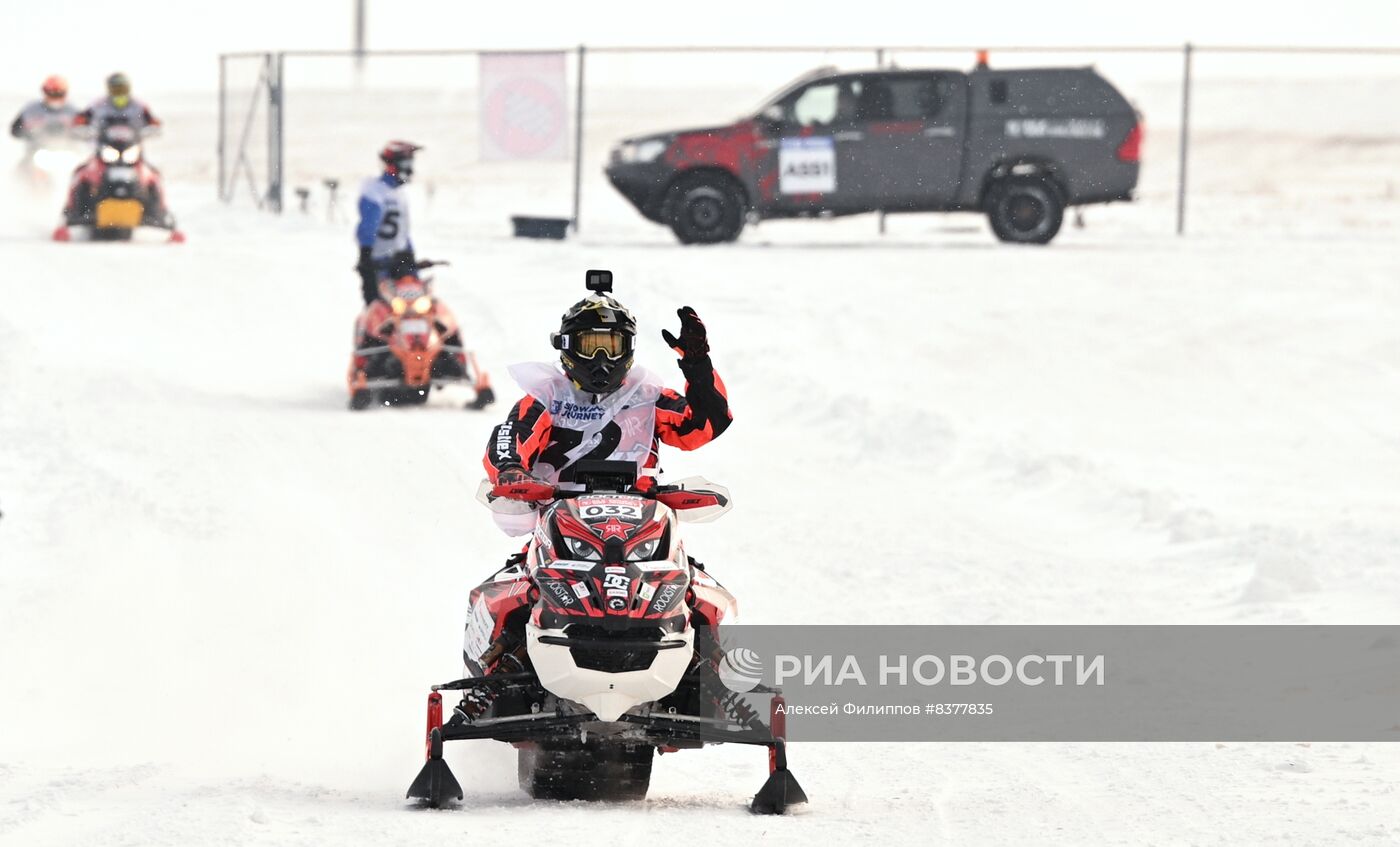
(55, 87)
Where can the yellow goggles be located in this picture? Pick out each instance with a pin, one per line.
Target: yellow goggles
(588, 342)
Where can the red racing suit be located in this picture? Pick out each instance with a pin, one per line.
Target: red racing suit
(555, 424)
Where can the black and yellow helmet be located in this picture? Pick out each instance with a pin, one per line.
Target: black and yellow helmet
(118, 85)
(596, 339)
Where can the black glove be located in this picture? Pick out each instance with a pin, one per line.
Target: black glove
(369, 277)
(512, 475)
(692, 346)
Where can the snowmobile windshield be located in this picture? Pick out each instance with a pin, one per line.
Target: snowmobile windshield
(409, 288)
(119, 134)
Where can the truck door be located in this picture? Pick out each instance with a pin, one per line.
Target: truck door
(815, 157)
(916, 126)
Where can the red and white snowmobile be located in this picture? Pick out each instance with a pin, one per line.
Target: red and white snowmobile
(596, 647)
(116, 191)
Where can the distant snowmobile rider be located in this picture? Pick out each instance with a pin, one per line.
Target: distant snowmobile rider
(119, 107)
(48, 118)
(383, 231)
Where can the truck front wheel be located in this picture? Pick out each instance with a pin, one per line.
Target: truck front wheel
(1025, 210)
(706, 209)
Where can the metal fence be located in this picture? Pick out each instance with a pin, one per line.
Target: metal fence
(254, 80)
(340, 101)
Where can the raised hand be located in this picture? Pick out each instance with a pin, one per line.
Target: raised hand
(692, 343)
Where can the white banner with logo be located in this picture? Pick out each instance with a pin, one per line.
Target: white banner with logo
(524, 107)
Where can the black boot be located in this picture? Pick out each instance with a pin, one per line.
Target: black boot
(484, 397)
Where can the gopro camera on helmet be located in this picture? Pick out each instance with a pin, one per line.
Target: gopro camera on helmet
(598, 281)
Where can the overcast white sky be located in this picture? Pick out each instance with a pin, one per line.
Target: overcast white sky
(171, 44)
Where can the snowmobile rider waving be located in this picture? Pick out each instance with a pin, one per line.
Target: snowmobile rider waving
(600, 407)
(383, 231)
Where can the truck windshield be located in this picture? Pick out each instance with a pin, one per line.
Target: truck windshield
(824, 103)
(817, 104)
(778, 95)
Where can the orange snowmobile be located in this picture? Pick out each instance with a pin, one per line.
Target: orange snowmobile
(408, 341)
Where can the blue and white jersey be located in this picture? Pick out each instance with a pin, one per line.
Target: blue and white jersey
(383, 218)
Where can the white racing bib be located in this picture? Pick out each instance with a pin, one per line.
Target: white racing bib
(393, 235)
(626, 416)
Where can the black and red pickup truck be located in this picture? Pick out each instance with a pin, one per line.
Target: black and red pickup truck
(1017, 145)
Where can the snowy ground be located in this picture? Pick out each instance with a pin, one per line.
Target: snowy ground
(222, 595)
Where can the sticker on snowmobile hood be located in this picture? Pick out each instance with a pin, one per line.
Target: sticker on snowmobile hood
(600, 509)
(479, 628)
(565, 565)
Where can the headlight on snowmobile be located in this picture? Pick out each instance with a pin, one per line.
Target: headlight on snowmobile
(423, 304)
(132, 154)
(580, 549)
(110, 154)
(644, 551)
(399, 305)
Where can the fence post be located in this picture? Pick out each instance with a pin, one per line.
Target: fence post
(1184, 143)
(223, 120)
(578, 138)
(880, 63)
(359, 35)
(276, 62)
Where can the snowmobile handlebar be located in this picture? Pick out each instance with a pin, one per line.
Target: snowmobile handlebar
(424, 264)
(674, 496)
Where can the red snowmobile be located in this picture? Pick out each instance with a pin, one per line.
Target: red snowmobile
(596, 648)
(116, 191)
(406, 342)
